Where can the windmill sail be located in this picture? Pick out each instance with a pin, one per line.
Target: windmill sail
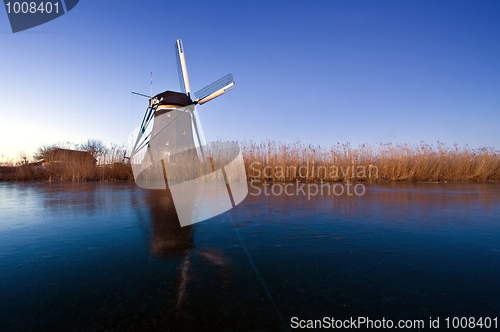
(181, 67)
(186, 88)
(215, 89)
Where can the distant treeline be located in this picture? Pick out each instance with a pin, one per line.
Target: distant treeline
(277, 161)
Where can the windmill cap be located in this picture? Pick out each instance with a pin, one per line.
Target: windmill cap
(173, 98)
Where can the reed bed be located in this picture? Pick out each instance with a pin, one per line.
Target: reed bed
(285, 162)
(278, 161)
(58, 163)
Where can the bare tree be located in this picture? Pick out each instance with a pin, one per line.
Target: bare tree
(95, 147)
(42, 152)
(24, 157)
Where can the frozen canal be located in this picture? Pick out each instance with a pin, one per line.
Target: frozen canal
(106, 256)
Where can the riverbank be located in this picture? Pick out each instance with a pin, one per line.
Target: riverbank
(77, 173)
(277, 161)
(284, 162)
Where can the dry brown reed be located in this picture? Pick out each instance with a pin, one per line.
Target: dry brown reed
(54, 163)
(342, 162)
(285, 162)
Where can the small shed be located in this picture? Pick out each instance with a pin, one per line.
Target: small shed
(67, 156)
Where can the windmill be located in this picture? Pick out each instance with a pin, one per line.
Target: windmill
(170, 152)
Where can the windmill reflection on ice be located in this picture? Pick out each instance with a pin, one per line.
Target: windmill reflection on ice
(170, 152)
(171, 241)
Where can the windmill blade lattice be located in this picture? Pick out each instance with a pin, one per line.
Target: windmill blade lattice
(217, 85)
(181, 69)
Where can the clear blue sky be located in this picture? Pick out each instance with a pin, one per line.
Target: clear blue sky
(315, 72)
